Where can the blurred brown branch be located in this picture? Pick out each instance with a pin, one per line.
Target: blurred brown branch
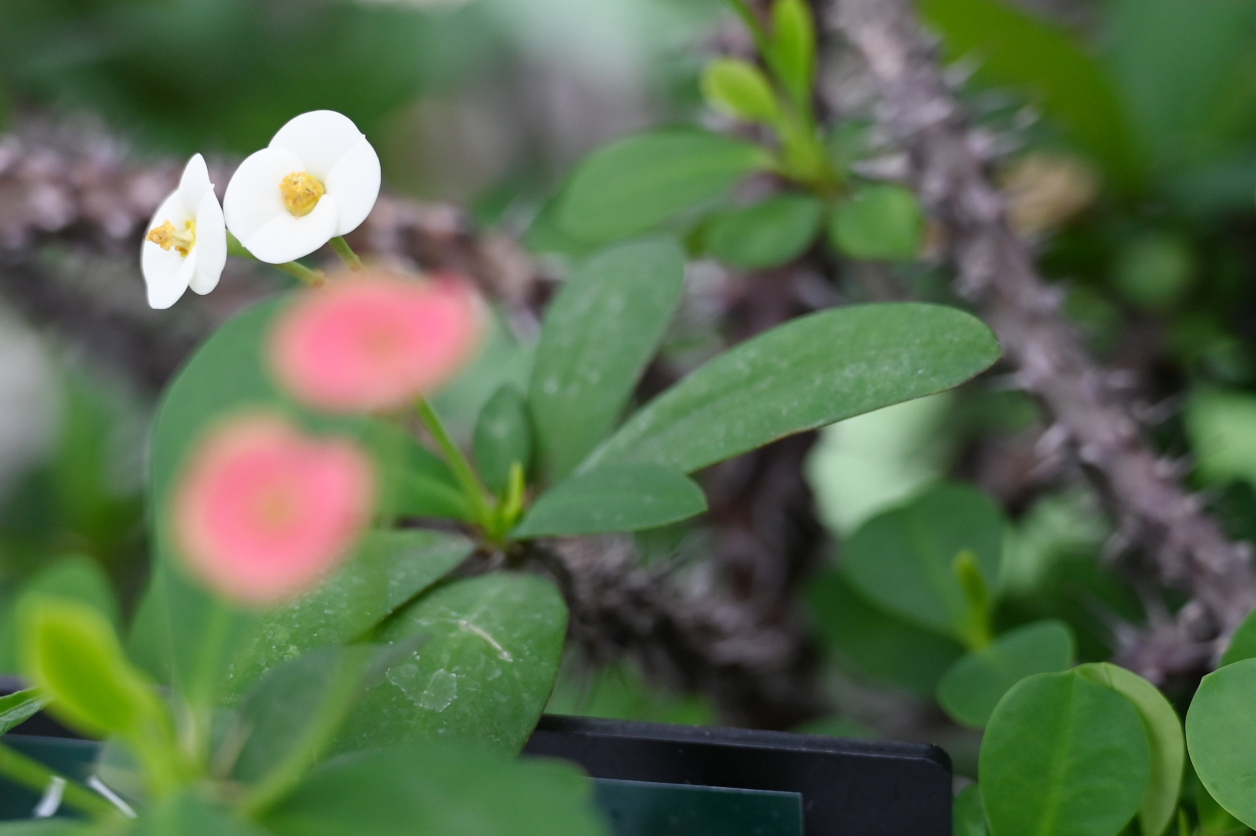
(996, 271)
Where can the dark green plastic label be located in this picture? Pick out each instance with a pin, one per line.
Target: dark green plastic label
(637, 808)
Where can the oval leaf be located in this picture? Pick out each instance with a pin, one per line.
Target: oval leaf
(599, 334)
(1221, 736)
(741, 90)
(628, 497)
(768, 234)
(974, 685)
(489, 659)
(1164, 732)
(1063, 756)
(636, 184)
(794, 46)
(807, 373)
(503, 438)
(905, 559)
(879, 223)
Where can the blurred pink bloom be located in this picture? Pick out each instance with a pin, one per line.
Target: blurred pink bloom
(375, 342)
(264, 512)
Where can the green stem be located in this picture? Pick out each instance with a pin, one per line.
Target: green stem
(346, 253)
(33, 774)
(463, 472)
(311, 277)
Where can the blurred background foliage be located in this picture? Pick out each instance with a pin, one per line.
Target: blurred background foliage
(1129, 132)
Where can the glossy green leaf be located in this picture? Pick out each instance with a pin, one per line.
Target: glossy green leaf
(973, 686)
(490, 656)
(807, 373)
(905, 559)
(70, 652)
(389, 569)
(794, 46)
(1016, 48)
(740, 89)
(628, 497)
(503, 437)
(599, 334)
(18, 707)
(1221, 736)
(1063, 756)
(637, 183)
(1164, 733)
(879, 223)
(967, 817)
(768, 234)
(438, 788)
(875, 643)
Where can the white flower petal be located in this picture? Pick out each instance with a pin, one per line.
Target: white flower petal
(253, 198)
(211, 245)
(354, 182)
(320, 138)
(167, 275)
(286, 237)
(195, 182)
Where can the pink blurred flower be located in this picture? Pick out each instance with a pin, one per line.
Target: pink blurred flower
(375, 342)
(264, 512)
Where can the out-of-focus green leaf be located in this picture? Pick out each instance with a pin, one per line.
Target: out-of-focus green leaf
(388, 569)
(768, 234)
(599, 334)
(1242, 643)
(1220, 425)
(973, 686)
(190, 815)
(491, 650)
(876, 643)
(1164, 734)
(75, 577)
(636, 184)
(1156, 270)
(794, 47)
(1063, 756)
(415, 481)
(1015, 48)
(503, 438)
(905, 559)
(878, 223)
(1221, 736)
(70, 652)
(438, 788)
(741, 90)
(807, 373)
(18, 707)
(968, 819)
(626, 497)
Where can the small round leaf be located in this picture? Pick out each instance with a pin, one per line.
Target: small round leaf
(879, 223)
(768, 234)
(1221, 736)
(740, 89)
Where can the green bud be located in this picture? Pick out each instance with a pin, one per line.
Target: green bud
(740, 89)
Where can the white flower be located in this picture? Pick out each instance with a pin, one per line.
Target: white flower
(186, 245)
(317, 179)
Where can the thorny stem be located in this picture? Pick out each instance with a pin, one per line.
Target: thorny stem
(346, 253)
(31, 773)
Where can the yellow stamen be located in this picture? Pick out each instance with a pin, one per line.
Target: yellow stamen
(301, 192)
(167, 237)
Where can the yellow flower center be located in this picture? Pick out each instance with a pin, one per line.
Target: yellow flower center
(167, 237)
(301, 192)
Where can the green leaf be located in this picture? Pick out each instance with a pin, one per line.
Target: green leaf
(1219, 424)
(1063, 756)
(968, 819)
(389, 569)
(904, 559)
(416, 481)
(628, 497)
(484, 673)
(438, 788)
(879, 223)
(794, 47)
(1214, 820)
(1021, 50)
(740, 89)
(768, 234)
(75, 577)
(637, 183)
(1164, 733)
(1221, 736)
(876, 643)
(190, 815)
(70, 651)
(20, 706)
(974, 685)
(809, 372)
(503, 437)
(599, 334)
(1242, 643)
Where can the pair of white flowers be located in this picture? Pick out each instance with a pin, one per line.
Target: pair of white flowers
(318, 179)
